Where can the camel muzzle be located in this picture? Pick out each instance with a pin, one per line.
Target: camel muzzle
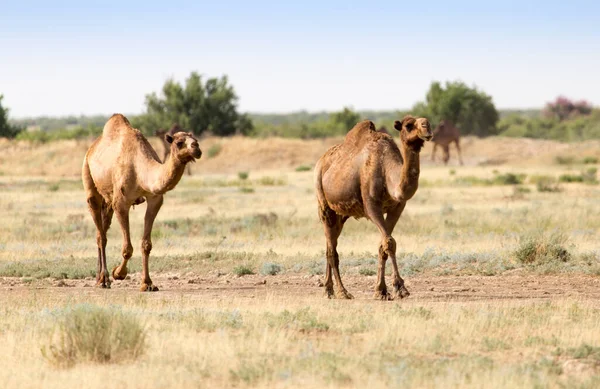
(197, 153)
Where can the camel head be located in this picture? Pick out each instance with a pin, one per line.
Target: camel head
(184, 146)
(441, 127)
(414, 131)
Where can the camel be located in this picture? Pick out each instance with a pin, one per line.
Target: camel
(121, 169)
(443, 135)
(384, 130)
(167, 147)
(369, 176)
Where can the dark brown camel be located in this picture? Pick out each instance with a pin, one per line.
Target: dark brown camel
(369, 176)
(444, 135)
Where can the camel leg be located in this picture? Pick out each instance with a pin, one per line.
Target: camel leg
(122, 211)
(390, 222)
(459, 153)
(95, 207)
(154, 205)
(387, 243)
(188, 169)
(107, 214)
(333, 225)
(446, 157)
(433, 152)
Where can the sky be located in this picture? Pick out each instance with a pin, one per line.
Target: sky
(98, 57)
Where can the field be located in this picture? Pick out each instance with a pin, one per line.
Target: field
(501, 256)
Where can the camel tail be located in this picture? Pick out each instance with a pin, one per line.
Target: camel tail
(319, 190)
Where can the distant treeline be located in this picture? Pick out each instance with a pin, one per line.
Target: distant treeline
(530, 123)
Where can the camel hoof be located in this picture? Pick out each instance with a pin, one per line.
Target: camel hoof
(148, 288)
(343, 295)
(103, 285)
(119, 273)
(402, 292)
(383, 296)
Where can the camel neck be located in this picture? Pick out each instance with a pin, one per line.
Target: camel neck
(411, 170)
(166, 176)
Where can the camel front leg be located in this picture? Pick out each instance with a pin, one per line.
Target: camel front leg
(122, 211)
(390, 222)
(95, 205)
(459, 152)
(333, 225)
(154, 205)
(375, 214)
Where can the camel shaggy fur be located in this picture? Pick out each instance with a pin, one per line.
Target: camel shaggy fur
(121, 169)
(444, 135)
(369, 176)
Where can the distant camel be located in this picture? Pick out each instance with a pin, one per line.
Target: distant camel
(121, 169)
(167, 147)
(368, 176)
(443, 135)
(384, 130)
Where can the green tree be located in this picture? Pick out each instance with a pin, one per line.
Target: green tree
(197, 106)
(341, 122)
(6, 129)
(469, 108)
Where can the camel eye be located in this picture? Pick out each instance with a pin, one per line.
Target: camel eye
(180, 143)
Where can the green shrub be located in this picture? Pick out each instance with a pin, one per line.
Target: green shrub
(243, 175)
(53, 187)
(545, 183)
(88, 333)
(509, 179)
(246, 189)
(242, 270)
(590, 160)
(303, 168)
(367, 272)
(564, 160)
(214, 150)
(542, 248)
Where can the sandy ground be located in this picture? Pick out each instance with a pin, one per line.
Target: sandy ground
(422, 288)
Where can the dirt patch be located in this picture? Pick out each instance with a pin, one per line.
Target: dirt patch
(422, 288)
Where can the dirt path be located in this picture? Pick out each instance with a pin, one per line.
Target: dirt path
(422, 288)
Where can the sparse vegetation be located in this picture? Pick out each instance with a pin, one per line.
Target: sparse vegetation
(270, 269)
(303, 168)
(242, 270)
(214, 150)
(88, 333)
(243, 175)
(540, 248)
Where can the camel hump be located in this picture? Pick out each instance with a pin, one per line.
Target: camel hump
(360, 131)
(115, 124)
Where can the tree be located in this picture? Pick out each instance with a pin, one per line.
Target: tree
(6, 129)
(470, 109)
(197, 106)
(562, 108)
(341, 122)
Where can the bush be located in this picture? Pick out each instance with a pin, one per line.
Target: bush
(214, 150)
(88, 333)
(509, 179)
(545, 183)
(303, 168)
(242, 270)
(367, 272)
(270, 269)
(542, 248)
(590, 160)
(243, 175)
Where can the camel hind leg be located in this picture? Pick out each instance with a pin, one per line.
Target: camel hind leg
(333, 224)
(154, 205)
(96, 205)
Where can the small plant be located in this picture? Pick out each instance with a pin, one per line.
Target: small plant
(246, 189)
(270, 269)
(367, 272)
(53, 187)
(590, 160)
(542, 248)
(509, 179)
(214, 150)
(547, 184)
(270, 181)
(564, 160)
(243, 175)
(88, 333)
(242, 270)
(570, 178)
(452, 172)
(303, 168)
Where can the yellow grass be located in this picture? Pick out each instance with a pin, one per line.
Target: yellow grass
(272, 338)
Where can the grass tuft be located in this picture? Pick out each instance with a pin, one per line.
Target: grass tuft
(89, 333)
(541, 248)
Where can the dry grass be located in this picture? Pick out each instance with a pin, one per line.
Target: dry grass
(208, 228)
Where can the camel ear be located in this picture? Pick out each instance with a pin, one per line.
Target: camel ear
(169, 138)
(398, 125)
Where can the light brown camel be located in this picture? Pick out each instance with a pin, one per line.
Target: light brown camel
(369, 176)
(384, 130)
(121, 169)
(167, 146)
(445, 134)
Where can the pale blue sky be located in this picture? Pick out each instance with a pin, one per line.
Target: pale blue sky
(74, 57)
